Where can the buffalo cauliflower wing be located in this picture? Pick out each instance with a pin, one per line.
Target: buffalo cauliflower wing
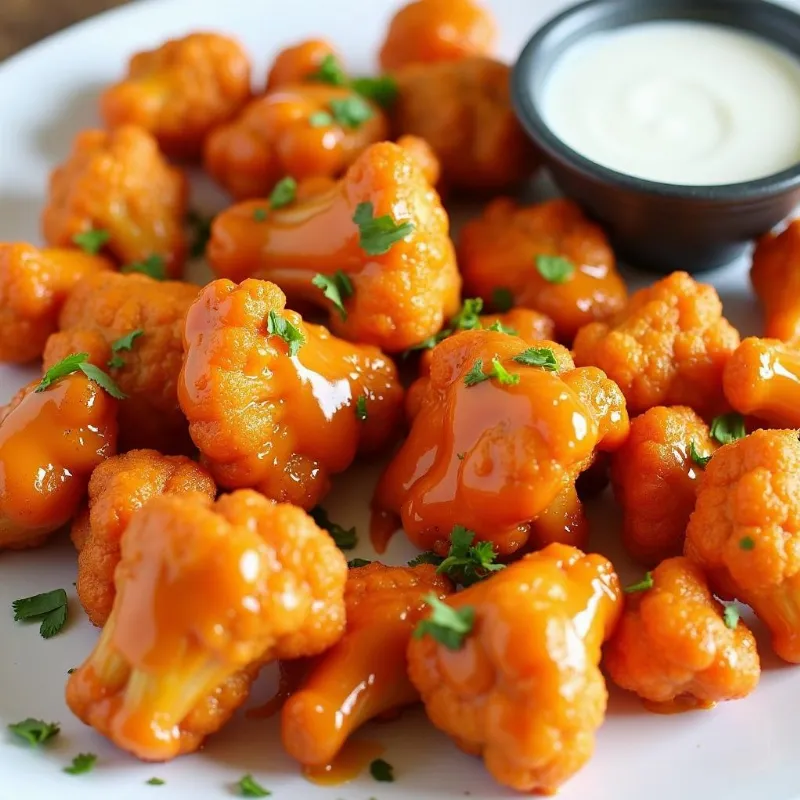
(548, 257)
(374, 251)
(519, 683)
(275, 403)
(206, 592)
(118, 487)
(300, 62)
(180, 91)
(669, 346)
(676, 646)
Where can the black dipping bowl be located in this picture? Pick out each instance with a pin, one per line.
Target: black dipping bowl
(658, 226)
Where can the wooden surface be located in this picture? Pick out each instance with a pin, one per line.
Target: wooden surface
(23, 22)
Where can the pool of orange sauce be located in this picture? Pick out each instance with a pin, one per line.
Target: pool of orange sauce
(679, 705)
(351, 761)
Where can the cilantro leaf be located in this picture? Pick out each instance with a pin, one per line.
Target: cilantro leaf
(382, 771)
(260, 214)
(502, 299)
(320, 119)
(281, 327)
(336, 288)
(728, 428)
(284, 192)
(747, 543)
(72, 363)
(82, 763)
(200, 226)
(155, 782)
(382, 90)
(355, 563)
(466, 563)
(103, 380)
(641, 586)
(500, 328)
(447, 625)
(425, 558)
(351, 112)
(542, 357)
(344, 538)
(124, 343)
(701, 461)
(476, 375)
(731, 616)
(555, 269)
(503, 375)
(53, 622)
(153, 266)
(248, 786)
(35, 731)
(330, 71)
(49, 608)
(361, 408)
(376, 235)
(91, 242)
(468, 316)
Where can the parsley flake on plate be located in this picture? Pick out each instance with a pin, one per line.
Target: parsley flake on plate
(284, 193)
(283, 329)
(555, 269)
(248, 786)
(35, 731)
(91, 242)
(382, 90)
(382, 771)
(82, 763)
(344, 538)
(153, 266)
(427, 557)
(376, 235)
(48, 608)
(337, 288)
(447, 625)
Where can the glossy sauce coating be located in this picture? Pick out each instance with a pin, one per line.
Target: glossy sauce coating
(299, 62)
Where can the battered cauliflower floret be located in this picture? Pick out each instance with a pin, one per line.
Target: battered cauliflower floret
(776, 279)
(302, 130)
(99, 314)
(463, 110)
(119, 182)
(655, 478)
(424, 155)
(503, 428)
(676, 644)
(50, 441)
(205, 591)
(668, 347)
(548, 257)
(381, 235)
(745, 530)
(118, 488)
(524, 690)
(438, 30)
(364, 675)
(275, 403)
(34, 283)
(181, 91)
(762, 379)
(299, 62)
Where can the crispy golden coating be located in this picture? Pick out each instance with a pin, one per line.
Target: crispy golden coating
(119, 487)
(265, 419)
(745, 531)
(205, 591)
(425, 156)
(502, 250)
(180, 91)
(425, 31)
(107, 306)
(298, 62)
(524, 691)
(50, 442)
(668, 347)
(463, 110)
(655, 480)
(674, 644)
(293, 131)
(119, 182)
(364, 675)
(34, 283)
(399, 297)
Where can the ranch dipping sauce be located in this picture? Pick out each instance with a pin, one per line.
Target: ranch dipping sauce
(685, 103)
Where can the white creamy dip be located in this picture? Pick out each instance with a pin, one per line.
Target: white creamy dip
(678, 102)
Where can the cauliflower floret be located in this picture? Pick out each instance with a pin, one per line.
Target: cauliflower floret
(119, 487)
(745, 530)
(655, 480)
(424, 155)
(299, 62)
(668, 347)
(34, 283)
(776, 279)
(275, 403)
(119, 182)
(50, 441)
(425, 31)
(302, 130)
(524, 689)
(204, 591)
(503, 428)
(548, 257)
(100, 313)
(762, 379)
(364, 675)
(180, 91)
(676, 643)
(381, 235)
(463, 110)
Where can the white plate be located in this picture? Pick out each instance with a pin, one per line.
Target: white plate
(741, 750)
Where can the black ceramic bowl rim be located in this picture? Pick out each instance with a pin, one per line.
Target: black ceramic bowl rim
(533, 121)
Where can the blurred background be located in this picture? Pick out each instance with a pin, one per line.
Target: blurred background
(23, 22)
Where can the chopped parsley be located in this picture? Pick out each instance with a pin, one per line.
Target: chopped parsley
(330, 71)
(498, 327)
(642, 586)
(337, 288)
(731, 616)
(320, 119)
(542, 357)
(361, 408)
(153, 266)
(728, 428)
(382, 771)
(502, 299)
(248, 786)
(747, 543)
(344, 538)
(351, 112)
(35, 731)
(425, 558)
(82, 763)
(376, 235)
(124, 343)
(468, 563)
(701, 461)
(284, 193)
(555, 269)
(503, 375)
(282, 328)
(48, 608)
(91, 242)
(259, 214)
(155, 782)
(447, 625)
(476, 375)
(200, 226)
(355, 563)
(468, 316)
(381, 90)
